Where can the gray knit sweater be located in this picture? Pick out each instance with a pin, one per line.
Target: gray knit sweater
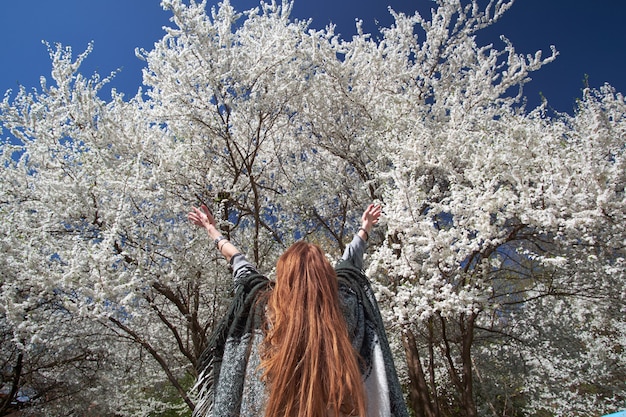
(229, 382)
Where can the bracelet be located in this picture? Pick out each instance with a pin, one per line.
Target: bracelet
(367, 235)
(218, 240)
(222, 247)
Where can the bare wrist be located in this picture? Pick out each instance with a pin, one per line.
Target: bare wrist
(212, 230)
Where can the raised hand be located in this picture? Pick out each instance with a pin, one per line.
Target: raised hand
(201, 217)
(370, 217)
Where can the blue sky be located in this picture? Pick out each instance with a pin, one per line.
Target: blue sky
(590, 36)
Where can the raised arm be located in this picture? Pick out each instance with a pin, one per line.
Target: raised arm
(354, 251)
(202, 217)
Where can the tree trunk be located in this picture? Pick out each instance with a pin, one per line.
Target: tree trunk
(467, 395)
(419, 396)
(462, 379)
(15, 384)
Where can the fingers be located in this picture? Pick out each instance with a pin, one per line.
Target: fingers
(201, 216)
(193, 216)
(371, 215)
(198, 215)
(374, 210)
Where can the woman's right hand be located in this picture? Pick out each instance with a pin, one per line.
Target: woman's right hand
(369, 219)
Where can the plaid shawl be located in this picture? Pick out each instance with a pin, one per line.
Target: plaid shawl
(229, 382)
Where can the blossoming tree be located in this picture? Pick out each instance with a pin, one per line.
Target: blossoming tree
(499, 265)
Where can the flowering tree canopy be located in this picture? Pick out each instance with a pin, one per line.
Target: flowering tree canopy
(499, 264)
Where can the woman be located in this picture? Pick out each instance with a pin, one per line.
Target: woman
(310, 344)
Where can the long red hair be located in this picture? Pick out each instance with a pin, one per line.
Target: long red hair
(308, 362)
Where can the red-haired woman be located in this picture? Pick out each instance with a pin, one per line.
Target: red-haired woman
(310, 344)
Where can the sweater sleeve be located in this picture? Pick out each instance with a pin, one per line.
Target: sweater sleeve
(241, 267)
(354, 252)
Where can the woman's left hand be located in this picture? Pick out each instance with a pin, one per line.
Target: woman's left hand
(201, 217)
